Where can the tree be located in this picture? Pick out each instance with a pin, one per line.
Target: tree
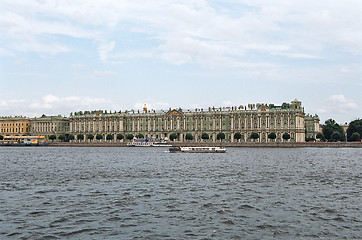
(330, 126)
(61, 137)
(336, 136)
(355, 136)
(110, 137)
(272, 136)
(237, 136)
(286, 136)
(119, 136)
(129, 136)
(140, 136)
(80, 136)
(90, 136)
(254, 135)
(220, 136)
(70, 137)
(205, 136)
(320, 136)
(99, 137)
(52, 137)
(189, 136)
(1, 137)
(354, 127)
(173, 136)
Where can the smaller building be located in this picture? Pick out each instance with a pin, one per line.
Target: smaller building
(49, 125)
(345, 127)
(14, 126)
(312, 127)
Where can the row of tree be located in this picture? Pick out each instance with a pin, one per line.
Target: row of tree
(81, 137)
(173, 136)
(333, 132)
(237, 136)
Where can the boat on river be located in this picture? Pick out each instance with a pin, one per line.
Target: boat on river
(140, 144)
(198, 149)
(148, 144)
(161, 144)
(23, 141)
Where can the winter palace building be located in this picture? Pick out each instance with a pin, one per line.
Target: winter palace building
(260, 118)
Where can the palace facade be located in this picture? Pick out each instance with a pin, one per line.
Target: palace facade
(312, 127)
(49, 125)
(260, 118)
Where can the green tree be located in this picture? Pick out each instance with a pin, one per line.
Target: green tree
(1, 137)
(99, 137)
(320, 136)
(109, 137)
(80, 137)
(355, 136)
(220, 136)
(52, 137)
(173, 136)
(71, 137)
(205, 136)
(61, 137)
(119, 136)
(90, 136)
(130, 136)
(330, 126)
(237, 136)
(140, 136)
(354, 127)
(189, 136)
(254, 136)
(336, 136)
(272, 136)
(286, 136)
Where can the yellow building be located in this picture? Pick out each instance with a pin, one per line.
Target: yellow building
(14, 126)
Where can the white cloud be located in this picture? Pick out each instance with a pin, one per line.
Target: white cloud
(187, 31)
(79, 65)
(103, 74)
(40, 47)
(337, 104)
(151, 104)
(6, 52)
(342, 104)
(54, 105)
(105, 49)
(97, 74)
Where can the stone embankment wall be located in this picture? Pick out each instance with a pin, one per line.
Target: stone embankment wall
(225, 144)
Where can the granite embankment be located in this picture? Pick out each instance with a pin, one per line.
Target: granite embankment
(225, 144)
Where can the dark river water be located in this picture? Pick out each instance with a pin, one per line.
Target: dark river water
(148, 193)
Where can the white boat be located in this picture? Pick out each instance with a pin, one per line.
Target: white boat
(140, 144)
(198, 149)
(161, 144)
(148, 144)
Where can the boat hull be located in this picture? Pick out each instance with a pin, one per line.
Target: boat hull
(198, 149)
(23, 144)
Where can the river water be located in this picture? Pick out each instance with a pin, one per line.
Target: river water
(148, 193)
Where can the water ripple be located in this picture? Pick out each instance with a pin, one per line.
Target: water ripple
(133, 193)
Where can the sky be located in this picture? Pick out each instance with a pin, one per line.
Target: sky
(58, 57)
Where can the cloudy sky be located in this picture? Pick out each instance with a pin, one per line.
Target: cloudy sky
(57, 57)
